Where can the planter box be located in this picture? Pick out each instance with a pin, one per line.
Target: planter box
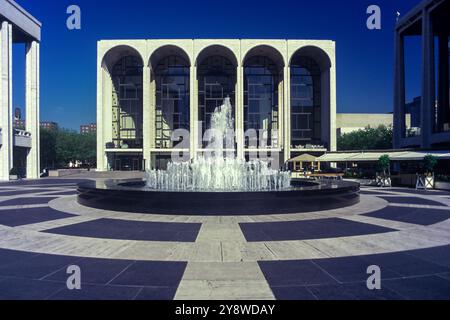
(65, 172)
(442, 185)
(384, 182)
(425, 182)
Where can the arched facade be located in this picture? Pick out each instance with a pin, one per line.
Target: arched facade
(312, 100)
(170, 72)
(123, 68)
(216, 78)
(263, 67)
(179, 84)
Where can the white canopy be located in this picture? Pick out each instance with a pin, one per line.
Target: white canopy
(374, 156)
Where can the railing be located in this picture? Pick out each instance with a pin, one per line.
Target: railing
(309, 147)
(19, 133)
(22, 133)
(413, 132)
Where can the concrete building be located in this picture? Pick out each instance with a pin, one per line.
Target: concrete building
(147, 89)
(429, 20)
(88, 128)
(350, 122)
(20, 124)
(18, 26)
(50, 125)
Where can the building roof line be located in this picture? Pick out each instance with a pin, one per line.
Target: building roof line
(412, 15)
(25, 12)
(22, 20)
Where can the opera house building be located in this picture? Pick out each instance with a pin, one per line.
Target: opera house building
(283, 94)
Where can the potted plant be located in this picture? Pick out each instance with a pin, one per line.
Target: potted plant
(14, 174)
(426, 180)
(384, 164)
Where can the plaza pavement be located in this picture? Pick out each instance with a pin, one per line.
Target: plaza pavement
(317, 255)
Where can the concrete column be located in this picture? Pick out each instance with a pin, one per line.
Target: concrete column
(399, 91)
(193, 97)
(101, 139)
(152, 117)
(328, 112)
(240, 112)
(32, 108)
(6, 112)
(331, 75)
(148, 125)
(428, 83)
(108, 102)
(281, 104)
(287, 113)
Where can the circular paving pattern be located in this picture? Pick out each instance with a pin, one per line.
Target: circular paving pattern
(315, 255)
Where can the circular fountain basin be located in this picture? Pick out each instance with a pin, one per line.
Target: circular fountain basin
(134, 196)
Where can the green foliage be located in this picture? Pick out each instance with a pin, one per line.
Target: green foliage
(368, 139)
(48, 147)
(384, 163)
(429, 162)
(61, 146)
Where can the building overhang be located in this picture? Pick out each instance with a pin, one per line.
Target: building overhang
(27, 28)
(123, 150)
(409, 24)
(22, 142)
(22, 139)
(372, 156)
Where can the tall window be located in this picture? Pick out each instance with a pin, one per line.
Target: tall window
(217, 80)
(127, 103)
(305, 102)
(413, 85)
(172, 99)
(261, 98)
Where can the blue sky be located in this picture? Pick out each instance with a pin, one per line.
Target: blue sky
(68, 58)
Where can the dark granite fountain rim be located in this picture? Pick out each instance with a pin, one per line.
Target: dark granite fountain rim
(317, 196)
(304, 185)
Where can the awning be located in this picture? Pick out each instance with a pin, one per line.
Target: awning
(374, 156)
(306, 157)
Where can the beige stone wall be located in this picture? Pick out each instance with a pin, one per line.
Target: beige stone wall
(349, 122)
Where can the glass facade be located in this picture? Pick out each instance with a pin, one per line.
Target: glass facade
(413, 85)
(216, 81)
(172, 100)
(305, 102)
(442, 61)
(126, 162)
(261, 112)
(127, 104)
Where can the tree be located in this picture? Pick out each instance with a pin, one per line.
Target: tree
(88, 148)
(48, 148)
(384, 163)
(429, 162)
(61, 146)
(379, 138)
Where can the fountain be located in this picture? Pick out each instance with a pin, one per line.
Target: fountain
(218, 183)
(221, 171)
